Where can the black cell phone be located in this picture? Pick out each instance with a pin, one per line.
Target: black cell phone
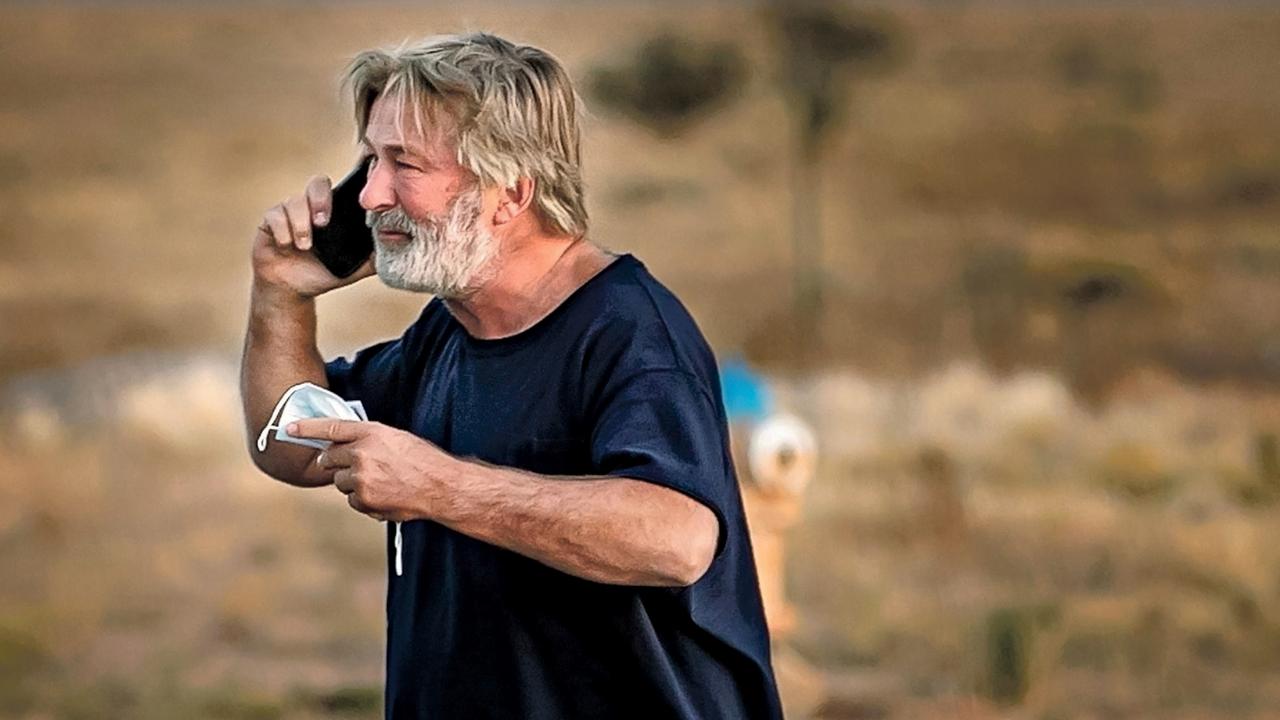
(346, 242)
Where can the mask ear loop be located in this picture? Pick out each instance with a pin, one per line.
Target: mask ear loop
(262, 437)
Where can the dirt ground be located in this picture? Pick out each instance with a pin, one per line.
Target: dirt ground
(1044, 377)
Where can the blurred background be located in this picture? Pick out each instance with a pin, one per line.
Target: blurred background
(1015, 265)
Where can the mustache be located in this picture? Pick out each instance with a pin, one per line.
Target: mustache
(394, 220)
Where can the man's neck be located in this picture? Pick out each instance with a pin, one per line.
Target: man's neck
(532, 279)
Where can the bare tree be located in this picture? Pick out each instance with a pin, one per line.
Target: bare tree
(824, 51)
(670, 83)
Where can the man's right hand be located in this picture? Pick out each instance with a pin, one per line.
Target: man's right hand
(282, 257)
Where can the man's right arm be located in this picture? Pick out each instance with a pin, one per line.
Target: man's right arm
(280, 342)
(279, 352)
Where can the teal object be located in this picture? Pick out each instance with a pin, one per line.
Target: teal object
(746, 394)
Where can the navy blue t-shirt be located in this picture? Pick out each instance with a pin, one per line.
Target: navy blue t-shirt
(617, 380)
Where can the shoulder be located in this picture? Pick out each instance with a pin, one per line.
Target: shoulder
(640, 325)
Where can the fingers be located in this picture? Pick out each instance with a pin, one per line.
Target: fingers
(345, 481)
(278, 227)
(353, 499)
(319, 196)
(337, 456)
(329, 429)
(295, 208)
(358, 506)
(289, 223)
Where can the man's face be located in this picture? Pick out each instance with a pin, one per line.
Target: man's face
(427, 211)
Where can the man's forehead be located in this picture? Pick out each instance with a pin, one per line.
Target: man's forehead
(403, 132)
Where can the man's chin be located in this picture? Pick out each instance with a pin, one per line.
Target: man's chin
(399, 282)
(396, 278)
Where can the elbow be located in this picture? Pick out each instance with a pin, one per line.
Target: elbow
(271, 469)
(262, 461)
(694, 550)
(266, 462)
(287, 469)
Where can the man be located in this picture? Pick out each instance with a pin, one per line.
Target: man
(548, 434)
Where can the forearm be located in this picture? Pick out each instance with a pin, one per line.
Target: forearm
(279, 351)
(609, 530)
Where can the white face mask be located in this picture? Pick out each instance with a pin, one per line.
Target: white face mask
(308, 400)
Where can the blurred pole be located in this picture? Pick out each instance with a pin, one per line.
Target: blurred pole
(809, 81)
(824, 49)
(806, 222)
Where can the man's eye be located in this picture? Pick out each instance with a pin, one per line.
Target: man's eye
(403, 164)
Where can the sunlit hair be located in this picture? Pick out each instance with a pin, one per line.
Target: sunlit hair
(510, 110)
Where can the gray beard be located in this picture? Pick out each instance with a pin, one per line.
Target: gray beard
(449, 257)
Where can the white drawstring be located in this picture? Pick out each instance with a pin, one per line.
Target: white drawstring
(399, 554)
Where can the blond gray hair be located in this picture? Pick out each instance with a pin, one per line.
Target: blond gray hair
(510, 109)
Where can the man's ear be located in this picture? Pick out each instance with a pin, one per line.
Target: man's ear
(513, 201)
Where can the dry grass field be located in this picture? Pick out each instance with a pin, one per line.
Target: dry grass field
(1030, 503)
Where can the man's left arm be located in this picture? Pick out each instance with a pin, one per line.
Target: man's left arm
(606, 529)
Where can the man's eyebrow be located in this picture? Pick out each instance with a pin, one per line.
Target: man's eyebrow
(391, 147)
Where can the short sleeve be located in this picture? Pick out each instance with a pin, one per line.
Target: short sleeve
(374, 376)
(661, 426)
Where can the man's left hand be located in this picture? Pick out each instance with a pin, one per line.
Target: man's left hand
(385, 473)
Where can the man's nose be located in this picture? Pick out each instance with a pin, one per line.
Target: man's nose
(377, 194)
